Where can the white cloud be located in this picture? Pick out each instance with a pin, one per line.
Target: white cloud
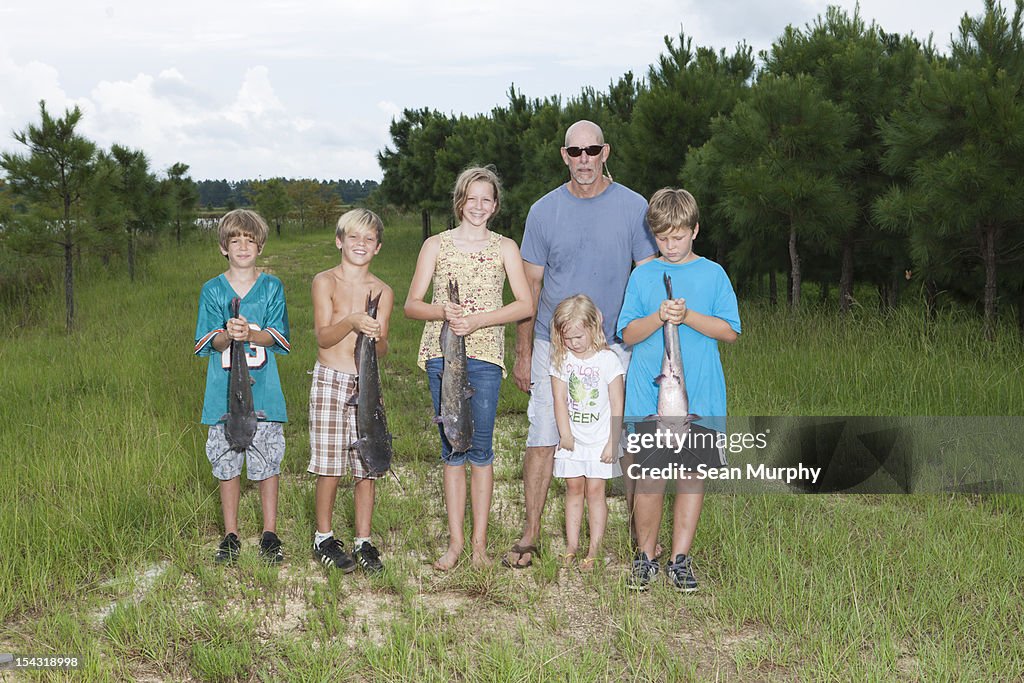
(288, 87)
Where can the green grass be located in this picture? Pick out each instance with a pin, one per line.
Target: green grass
(109, 515)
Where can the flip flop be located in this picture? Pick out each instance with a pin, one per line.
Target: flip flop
(567, 559)
(587, 564)
(520, 550)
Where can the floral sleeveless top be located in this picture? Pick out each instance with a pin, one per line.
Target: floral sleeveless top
(481, 279)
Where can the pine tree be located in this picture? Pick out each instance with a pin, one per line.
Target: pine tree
(54, 177)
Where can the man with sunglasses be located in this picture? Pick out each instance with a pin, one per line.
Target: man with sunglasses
(581, 238)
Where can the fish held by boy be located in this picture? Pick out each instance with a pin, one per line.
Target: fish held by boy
(456, 413)
(673, 404)
(374, 441)
(241, 418)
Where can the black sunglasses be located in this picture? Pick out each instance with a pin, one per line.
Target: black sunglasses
(592, 150)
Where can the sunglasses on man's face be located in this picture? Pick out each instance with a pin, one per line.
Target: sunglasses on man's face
(592, 150)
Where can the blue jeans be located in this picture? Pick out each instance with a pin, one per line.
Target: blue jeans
(485, 378)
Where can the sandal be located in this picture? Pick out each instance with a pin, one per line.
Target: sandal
(520, 551)
(566, 560)
(587, 564)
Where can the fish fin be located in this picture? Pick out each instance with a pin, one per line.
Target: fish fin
(224, 417)
(668, 285)
(260, 415)
(657, 380)
(372, 303)
(437, 419)
(692, 417)
(469, 393)
(251, 380)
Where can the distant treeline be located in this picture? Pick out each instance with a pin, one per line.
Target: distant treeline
(223, 193)
(845, 156)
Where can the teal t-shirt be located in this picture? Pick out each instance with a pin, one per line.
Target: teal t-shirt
(707, 290)
(264, 307)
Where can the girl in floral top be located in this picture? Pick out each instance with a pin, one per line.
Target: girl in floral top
(479, 261)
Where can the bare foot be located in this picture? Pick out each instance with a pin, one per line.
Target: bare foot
(481, 560)
(448, 560)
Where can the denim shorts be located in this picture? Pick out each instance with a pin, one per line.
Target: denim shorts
(485, 378)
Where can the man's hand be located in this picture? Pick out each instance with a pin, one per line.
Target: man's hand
(521, 371)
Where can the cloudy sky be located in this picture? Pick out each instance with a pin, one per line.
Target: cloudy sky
(308, 88)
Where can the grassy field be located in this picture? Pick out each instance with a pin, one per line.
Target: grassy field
(109, 516)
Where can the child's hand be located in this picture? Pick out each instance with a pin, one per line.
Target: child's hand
(361, 322)
(452, 311)
(608, 454)
(673, 311)
(238, 329)
(464, 325)
(567, 443)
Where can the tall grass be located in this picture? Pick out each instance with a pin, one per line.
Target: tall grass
(106, 479)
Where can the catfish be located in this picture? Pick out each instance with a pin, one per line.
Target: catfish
(374, 441)
(241, 418)
(673, 403)
(456, 418)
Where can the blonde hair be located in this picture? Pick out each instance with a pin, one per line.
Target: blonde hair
(671, 209)
(575, 309)
(243, 222)
(468, 177)
(360, 218)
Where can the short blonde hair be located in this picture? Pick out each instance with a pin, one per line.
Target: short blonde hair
(471, 175)
(242, 222)
(360, 218)
(671, 209)
(575, 309)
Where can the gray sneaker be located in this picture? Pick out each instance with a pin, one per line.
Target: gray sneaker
(643, 572)
(680, 573)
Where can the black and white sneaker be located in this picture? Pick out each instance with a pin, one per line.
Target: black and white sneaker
(270, 548)
(368, 558)
(680, 573)
(227, 551)
(330, 553)
(643, 572)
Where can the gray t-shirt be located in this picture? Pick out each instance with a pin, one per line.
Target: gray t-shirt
(586, 246)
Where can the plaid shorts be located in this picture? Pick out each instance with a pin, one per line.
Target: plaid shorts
(332, 425)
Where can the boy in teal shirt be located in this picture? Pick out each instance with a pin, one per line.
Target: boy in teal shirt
(262, 323)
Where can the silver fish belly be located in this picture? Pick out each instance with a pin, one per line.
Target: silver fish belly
(673, 404)
(374, 440)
